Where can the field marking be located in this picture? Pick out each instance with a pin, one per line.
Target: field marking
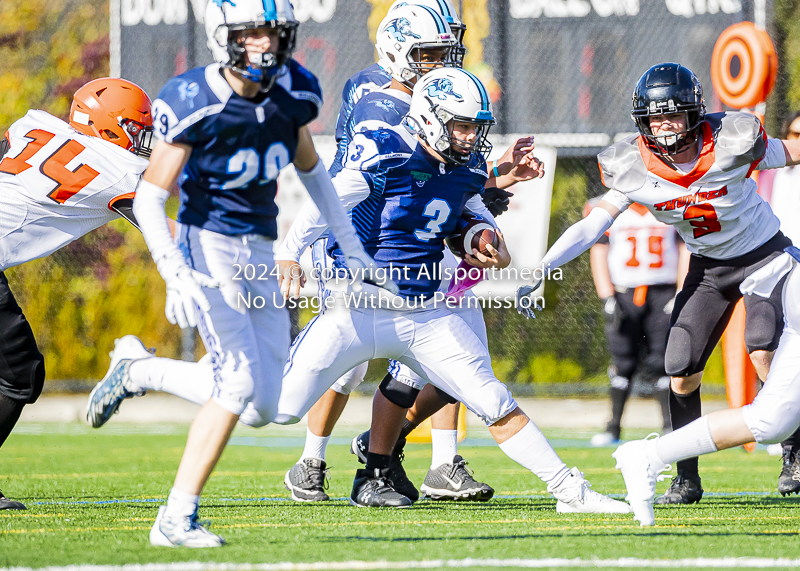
(625, 562)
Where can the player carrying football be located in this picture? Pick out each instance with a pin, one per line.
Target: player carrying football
(59, 181)
(691, 170)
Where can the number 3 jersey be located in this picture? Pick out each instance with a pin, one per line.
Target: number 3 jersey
(714, 207)
(238, 145)
(406, 204)
(56, 185)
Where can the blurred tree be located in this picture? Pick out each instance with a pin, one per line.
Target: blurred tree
(49, 48)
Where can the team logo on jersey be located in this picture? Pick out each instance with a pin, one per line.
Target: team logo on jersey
(400, 28)
(441, 88)
(380, 136)
(690, 199)
(420, 178)
(386, 105)
(188, 90)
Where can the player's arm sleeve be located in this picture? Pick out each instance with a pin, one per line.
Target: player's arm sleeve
(351, 188)
(476, 206)
(774, 156)
(578, 238)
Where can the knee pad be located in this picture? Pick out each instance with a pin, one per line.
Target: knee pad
(445, 396)
(763, 328)
(678, 360)
(398, 393)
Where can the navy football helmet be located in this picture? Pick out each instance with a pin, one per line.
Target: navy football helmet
(666, 89)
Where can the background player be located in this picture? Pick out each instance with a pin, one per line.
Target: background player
(773, 415)
(404, 224)
(691, 170)
(47, 205)
(636, 265)
(228, 129)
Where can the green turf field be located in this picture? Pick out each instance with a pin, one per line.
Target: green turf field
(93, 495)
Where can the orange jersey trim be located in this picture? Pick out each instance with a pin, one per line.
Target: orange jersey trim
(656, 166)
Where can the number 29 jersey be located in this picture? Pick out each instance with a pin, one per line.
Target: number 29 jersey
(238, 145)
(715, 206)
(56, 185)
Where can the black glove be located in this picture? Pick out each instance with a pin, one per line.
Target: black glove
(496, 200)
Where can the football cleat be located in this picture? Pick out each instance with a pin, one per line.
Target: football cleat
(307, 481)
(360, 446)
(604, 439)
(6, 504)
(683, 490)
(574, 495)
(455, 482)
(181, 532)
(374, 489)
(116, 386)
(789, 480)
(640, 477)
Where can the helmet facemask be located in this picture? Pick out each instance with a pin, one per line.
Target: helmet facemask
(416, 68)
(458, 51)
(268, 65)
(670, 143)
(454, 150)
(140, 136)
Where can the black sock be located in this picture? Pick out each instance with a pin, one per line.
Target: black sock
(618, 398)
(662, 396)
(408, 427)
(377, 461)
(10, 410)
(684, 409)
(793, 442)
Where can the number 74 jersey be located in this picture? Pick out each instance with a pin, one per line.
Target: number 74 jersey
(715, 206)
(56, 185)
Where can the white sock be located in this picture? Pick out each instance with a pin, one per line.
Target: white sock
(692, 440)
(444, 446)
(315, 446)
(181, 504)
(530, 449)
(190, 381)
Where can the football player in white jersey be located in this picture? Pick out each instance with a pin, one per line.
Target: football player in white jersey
(636, 266)
(691, 170)
(59, 181)
(772, 416)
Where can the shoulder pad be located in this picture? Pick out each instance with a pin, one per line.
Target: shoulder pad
(621, 165)
(380, 149)
(186, 99)
(739, 139)
(301, 84)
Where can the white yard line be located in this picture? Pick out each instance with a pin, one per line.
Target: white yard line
(625, 562)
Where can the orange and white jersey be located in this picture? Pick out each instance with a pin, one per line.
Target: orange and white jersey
(57, 185)
(714, 207)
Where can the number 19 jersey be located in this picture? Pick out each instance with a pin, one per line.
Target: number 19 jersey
(56, 185)
(715, 206)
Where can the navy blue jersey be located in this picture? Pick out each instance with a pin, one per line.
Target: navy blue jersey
(238, 145)
(414, 202)
(367, 80)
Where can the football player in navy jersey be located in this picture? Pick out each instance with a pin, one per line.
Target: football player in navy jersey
(402, 224)
(225, 131)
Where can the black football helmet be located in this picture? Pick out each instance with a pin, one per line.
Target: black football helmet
(665, 89)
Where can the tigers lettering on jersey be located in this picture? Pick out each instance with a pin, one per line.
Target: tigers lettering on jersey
(229, 183)
(57, 185)
(715, 206)
(402, 224)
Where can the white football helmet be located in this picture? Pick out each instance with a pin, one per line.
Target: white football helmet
(445, 96)
(226, 17)
(402, 37)
(448, 13)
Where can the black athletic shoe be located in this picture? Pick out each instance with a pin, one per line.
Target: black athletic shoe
(307, 481)
(6, 504)
(360, 445)
(683, 490)
(789, 480)
(455, 482)
(374, 489)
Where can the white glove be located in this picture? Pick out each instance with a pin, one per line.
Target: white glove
(670, 305)
(363, 268)
(185, 293)
(526, 302)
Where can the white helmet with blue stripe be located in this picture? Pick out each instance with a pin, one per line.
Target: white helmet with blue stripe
(448, 13)
(403, 36)
(224, 18)
(446, 96)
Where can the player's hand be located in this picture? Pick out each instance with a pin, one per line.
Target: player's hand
(364, 269)
(528, 168)
(498, 258)
(670, 305)
(496, 200)
(518, 163)
(290, 279)
(185, 294)
(609, 305)
(526, 302)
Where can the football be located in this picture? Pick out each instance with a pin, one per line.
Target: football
(472, 232)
